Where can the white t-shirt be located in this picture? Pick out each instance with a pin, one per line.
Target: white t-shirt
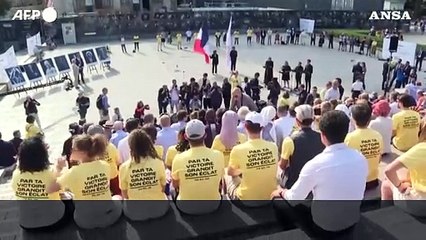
(357, 86)
(332, 94)
(174, 94)
(394, 109)
(384, 126)
(338, 173)
(166, 137)
(188, 33)
(124, 149)
(285, 125)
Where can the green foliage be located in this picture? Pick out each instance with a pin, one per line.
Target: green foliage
(4, 7)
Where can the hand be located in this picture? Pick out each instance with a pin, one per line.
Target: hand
(61, 163)
(277, 193)
(404, 187)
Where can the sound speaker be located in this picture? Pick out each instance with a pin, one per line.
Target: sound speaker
(393, 44)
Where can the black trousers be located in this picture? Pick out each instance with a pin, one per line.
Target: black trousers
(162, 107)
(233, 65)
(330, 44)
(262, 41)
(298, 81)
(236, 41)
(217, 42)
(82, 113)
(214, 68)
(301, 216)
(248, 40)
(81, 76)
(207, 103)
(308, 80)
(419, 63)
(227, 101)
(313, 42)
(123, 48)
(136, 46)
(384, 79)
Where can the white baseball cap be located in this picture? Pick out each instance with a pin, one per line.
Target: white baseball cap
(195, 130)
(255, 118)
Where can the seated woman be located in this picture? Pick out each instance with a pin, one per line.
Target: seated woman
(28, 183)
(151, 130)
(383, 123)
(411, 187)
(143, 178)
(89, 181)
(174, 150)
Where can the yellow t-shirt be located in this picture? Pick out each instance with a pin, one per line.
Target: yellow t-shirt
(235, 81)
(257, 160)
(144, 180)
(370, 143)
(287, 148)
(88, 181)
(199, 171)
(111, 157)
(236, 34)
(414, 159)
(249, 33)
(284, 101)
(170, 155)
(159, 149)
(179, 37)
(406, 125)
(158, 38)
(32, 186)
(31, 130)
(218, 145)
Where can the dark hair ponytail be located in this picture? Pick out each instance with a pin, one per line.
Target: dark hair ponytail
(94, 146)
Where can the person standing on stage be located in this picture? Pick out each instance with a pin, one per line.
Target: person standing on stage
(233, 54)
(285, 74)
(217, 36)
(269, 71)
(179, 40)
(30, 106)
(236, 37)
(299, 71)
(102, 104)
(215, 61)
(385, 73)
(159, 43)
(123, 44)
(188, 34)
(309, 70)
(270, 36)
(136, 43)
(83, 103)
(262, 37)
(249, 36)
(80, 65)
(75, 70)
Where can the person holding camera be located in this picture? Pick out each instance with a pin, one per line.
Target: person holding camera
(30, 106)
(83, 103)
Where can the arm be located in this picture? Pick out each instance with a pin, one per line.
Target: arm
(392, 175)
(303, 186)
(234, 166)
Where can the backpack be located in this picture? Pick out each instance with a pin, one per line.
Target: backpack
(99, 103)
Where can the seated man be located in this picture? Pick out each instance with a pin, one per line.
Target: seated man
(405, 124)
(252, 165)
(366, 140)
(197, 173)
(338, 173)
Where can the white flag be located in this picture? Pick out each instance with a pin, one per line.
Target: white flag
(229, 44)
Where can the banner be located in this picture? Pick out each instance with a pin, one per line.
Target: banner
(15, 76)
(7, 60)
(306, 25)
(32, 43)
(406, 51)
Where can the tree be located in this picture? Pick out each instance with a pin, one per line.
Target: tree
(4, 7)
(417, 6)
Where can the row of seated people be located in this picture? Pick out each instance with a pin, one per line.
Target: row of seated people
(239, 166)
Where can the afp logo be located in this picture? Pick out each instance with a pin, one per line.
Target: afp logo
(48, 14)
(390, 15)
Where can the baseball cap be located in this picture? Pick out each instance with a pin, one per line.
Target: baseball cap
(195, 130)
(95, 129)
(304, 112)
(255, 118)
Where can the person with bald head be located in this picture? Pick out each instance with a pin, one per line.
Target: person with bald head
(118, 133)
(333, 92)
(167, 136)
(240, 99)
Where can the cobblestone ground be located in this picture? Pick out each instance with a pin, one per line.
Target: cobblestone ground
(138, 76)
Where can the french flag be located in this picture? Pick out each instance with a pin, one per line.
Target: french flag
(201, 44)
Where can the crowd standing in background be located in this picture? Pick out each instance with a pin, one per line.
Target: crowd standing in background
(214, 142)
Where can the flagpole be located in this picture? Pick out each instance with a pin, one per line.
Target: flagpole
(229, 44)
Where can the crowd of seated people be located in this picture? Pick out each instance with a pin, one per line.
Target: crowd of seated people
(325, 148)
